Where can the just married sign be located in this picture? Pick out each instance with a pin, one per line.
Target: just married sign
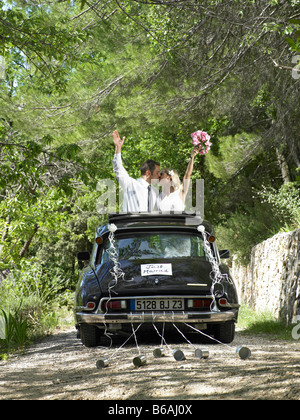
(156, 269)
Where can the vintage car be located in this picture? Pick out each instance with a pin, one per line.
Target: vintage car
(154, 269)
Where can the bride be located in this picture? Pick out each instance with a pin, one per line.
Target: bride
(173, 195)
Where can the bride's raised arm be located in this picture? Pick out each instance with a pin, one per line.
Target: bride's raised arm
(187, 176)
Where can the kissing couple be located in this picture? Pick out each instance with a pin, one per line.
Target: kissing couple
(140, 195)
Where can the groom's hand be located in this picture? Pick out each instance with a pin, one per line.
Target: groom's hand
(118, 142)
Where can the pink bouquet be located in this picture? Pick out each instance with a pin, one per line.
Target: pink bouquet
(201, 139)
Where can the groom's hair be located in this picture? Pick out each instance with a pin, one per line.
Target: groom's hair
(149, 165)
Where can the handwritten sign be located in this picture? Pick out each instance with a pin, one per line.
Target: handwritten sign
(156, 269)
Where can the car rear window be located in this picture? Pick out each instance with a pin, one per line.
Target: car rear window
(153, 246)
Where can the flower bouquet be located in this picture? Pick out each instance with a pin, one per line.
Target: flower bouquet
(201, 140)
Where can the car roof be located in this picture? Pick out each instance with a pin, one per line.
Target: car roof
(155, 220)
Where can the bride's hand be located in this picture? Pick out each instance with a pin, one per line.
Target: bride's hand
(195, 152)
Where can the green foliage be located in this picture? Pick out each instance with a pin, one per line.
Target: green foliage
(273, 211)
(14, 330)
(39, 42)
(30, 298)
(286, 202)
(234, 153)
(245, 229)
(23, 219)
(34, 280)
(293, 32)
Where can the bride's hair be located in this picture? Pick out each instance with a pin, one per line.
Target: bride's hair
(175, 181)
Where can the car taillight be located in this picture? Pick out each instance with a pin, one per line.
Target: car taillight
(223, 302)
(90, 306)
(198, 303)
(114, 305)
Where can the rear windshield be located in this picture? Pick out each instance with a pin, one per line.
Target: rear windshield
(152, 246)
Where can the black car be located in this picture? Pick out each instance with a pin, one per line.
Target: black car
(160, 269)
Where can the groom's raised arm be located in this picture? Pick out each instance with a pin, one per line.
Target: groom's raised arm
(118, 142)
(119, 170)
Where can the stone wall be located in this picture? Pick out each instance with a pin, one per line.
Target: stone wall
(271, 281)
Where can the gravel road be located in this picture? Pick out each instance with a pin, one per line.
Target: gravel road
(60, 367)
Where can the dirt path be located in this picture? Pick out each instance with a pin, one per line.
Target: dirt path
(61, 368)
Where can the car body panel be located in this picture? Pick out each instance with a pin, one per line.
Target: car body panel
(188, 277)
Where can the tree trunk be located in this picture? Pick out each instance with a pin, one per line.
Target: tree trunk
(283, 166)
(26, 246)
(5, 231)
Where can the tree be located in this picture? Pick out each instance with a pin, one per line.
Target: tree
(156, 70)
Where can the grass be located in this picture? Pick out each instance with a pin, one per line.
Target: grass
(15, 329)
(18, 331)
(252, 322)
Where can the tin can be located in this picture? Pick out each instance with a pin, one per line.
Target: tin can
(243, 352)
(159, 352)
(178, 355)
(139, 360)
(201, 354)
(102, 363)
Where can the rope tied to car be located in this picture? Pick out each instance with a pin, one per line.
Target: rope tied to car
(215, 275)
(112, 252)
(116, 271)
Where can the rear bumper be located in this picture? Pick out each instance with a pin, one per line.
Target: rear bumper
(151, 317)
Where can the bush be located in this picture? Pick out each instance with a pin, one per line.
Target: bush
(245, 229)
(14, 329)
(273, 211)
(30, 297)
(285, 201)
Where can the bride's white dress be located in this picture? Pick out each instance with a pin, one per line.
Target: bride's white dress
(171, 202)
(174, 249)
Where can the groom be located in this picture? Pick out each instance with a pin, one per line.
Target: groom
(139, 195)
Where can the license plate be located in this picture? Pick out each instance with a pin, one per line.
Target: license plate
(159, 304)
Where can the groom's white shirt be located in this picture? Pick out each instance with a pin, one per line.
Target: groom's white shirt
(135, 198)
